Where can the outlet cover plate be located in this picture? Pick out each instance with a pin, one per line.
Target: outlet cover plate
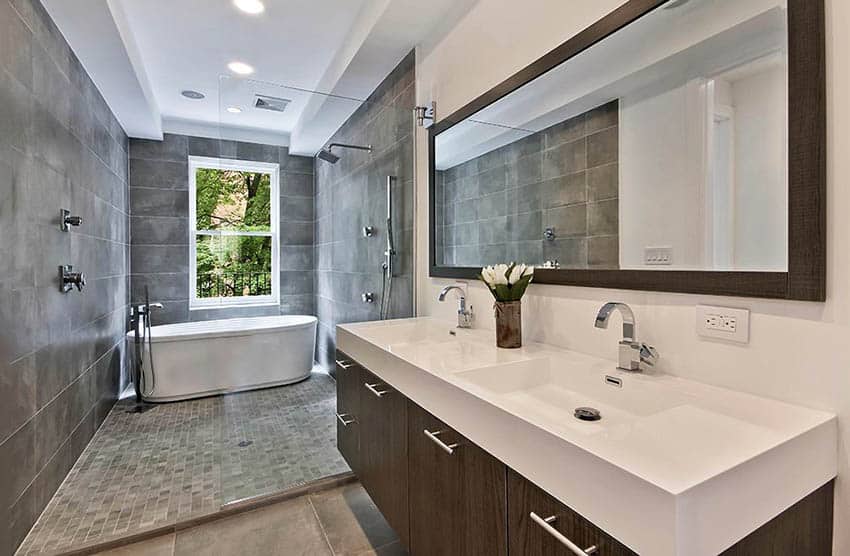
(658, 256)
(723, 323)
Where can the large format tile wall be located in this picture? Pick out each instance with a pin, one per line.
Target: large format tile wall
(159, 225)
(350, 195)
(495, 208)
(60, 354)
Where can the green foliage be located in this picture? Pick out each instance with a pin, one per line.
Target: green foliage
(235, 201)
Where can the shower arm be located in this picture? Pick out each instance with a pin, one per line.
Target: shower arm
(348, 146)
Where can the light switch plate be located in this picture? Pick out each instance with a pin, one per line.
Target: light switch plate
(723, 323)
(657, 256)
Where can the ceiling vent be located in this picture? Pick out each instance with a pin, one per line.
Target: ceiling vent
(273, 104)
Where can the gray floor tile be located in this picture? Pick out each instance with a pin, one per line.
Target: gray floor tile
(184, 459)
(287, 529)
(351, 521)
(159, 546)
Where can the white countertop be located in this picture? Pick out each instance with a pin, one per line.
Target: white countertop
(673, 467)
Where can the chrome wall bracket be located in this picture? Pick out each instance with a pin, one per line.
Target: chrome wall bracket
(423, 113)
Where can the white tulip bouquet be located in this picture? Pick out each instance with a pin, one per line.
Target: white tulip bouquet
(507, 282)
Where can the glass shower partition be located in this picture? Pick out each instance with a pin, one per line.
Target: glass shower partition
(327, 248)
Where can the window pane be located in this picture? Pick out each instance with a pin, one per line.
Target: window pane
(237, 266)
(207, 250)
(232, 200)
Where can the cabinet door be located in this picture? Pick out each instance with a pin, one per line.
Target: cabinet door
(457, 492)
(348, 385)
(383, 450)
(552, 525)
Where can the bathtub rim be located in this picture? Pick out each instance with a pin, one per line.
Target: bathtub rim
(227, 333)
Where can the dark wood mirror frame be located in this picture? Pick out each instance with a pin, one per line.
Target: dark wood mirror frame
(806, 276)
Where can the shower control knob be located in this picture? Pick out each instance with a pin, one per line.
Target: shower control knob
(368, 297)
(69, 279)
(68, 220)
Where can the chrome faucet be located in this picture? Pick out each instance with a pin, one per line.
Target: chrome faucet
(631, 352)
(464, 315)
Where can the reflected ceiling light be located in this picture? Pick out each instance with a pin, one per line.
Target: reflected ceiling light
(250, 6)
(240, 68)
(234, 110)
(193, 95)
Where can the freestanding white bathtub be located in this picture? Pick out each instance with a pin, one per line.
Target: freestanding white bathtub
(196, 359)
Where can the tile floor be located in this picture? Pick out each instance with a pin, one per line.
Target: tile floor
(342, 521)
(184, 459)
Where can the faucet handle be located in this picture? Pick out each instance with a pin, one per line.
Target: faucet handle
(648, 354)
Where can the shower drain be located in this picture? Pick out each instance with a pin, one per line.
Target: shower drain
(245, 443)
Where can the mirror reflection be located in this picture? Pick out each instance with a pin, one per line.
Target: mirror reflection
(662, 147)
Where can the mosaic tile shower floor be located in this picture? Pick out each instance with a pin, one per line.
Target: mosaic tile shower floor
(184, 459)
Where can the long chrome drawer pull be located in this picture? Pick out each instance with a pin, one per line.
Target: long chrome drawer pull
(372, 388)
(544, 523)
(342, 419)
(448, 448)
(345, 364)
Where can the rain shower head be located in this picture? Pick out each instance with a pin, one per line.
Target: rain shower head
(326, 154)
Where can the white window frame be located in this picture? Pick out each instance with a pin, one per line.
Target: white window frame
(199, 162)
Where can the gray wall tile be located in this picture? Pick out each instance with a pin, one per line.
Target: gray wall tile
(602, 218)
(159, 203)
(173, 147)
(60, 147)
(159, 174)
(351, 194)
(553, 178)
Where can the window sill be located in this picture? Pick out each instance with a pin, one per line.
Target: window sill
(234, 306)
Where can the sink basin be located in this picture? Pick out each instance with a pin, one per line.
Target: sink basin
(549, 392)
(390, 333)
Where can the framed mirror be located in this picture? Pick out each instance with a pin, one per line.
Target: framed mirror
(672, 146)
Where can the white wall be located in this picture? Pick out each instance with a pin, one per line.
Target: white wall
(761, 186)
(798, 352)
(661, 175)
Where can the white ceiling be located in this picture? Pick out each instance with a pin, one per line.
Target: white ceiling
(143, 53)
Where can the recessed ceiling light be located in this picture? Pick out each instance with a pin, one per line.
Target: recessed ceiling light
(194, 95)
(234, 110)
(250, 6)
(240, 68)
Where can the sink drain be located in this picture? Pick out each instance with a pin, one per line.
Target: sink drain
(587, 414)
(245, 443)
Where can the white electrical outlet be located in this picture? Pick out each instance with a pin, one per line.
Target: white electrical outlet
(657, 256)
(724, 323)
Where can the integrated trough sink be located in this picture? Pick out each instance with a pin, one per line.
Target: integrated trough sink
(662, 467)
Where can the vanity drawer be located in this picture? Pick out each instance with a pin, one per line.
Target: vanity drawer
(538, 525)
(348, 382)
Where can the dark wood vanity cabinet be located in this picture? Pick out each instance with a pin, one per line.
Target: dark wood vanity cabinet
(443, 495)
(531, 537)
(383, 457)
(457, 492)
(349, 380)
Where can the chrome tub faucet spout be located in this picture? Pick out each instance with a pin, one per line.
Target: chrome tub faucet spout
(631, 354)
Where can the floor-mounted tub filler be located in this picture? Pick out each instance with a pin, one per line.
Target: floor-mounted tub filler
(196, 359)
